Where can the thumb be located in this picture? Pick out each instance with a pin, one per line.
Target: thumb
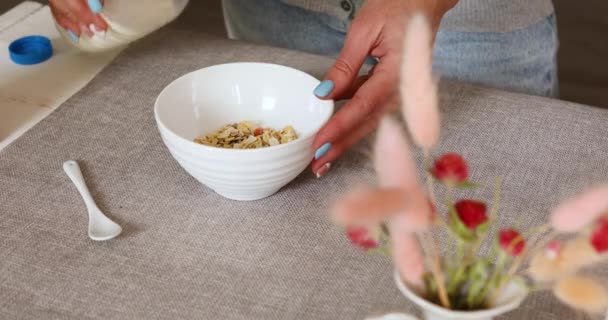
(346, 68)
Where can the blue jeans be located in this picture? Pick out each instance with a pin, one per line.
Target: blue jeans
(522, 60)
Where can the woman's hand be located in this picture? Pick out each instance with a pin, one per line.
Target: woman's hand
(378, 30)
(76, 16)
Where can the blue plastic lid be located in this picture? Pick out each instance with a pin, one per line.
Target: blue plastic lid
(30, 50)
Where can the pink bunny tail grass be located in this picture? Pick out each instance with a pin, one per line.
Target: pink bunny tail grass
(578, 212)
(407, 256)
(582, 293)
(418, 86)
(393, 160)
(372, 206)
(573, 256)
(396, 169)
(419, 212)
(368, 206)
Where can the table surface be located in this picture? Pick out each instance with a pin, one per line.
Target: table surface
(188, 253)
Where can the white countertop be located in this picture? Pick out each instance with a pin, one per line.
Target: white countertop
(30, 93)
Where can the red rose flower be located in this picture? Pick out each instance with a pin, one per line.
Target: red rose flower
(451, 168)
(511, 241)
(599, 236)
(361, 237)
(472, 213)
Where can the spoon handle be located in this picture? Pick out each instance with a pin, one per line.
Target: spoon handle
(72, 169)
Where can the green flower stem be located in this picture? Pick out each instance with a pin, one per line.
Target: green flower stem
(476, 290)
(436, 269)
(474, 248)
(495, 281)
(450, 194)
(459, 250)
(457, 278)
(477, 281)
(502, 260)
(493, 212)
(493, 253)
(506, 279)
(381, 251)
(436, 259)
(496, 199)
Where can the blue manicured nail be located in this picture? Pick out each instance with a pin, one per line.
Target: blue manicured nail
(324, 88)
(95, 6)
(372, 60)
(322, 150)
(73, 36)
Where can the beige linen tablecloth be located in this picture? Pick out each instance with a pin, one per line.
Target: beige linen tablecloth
(188, 253)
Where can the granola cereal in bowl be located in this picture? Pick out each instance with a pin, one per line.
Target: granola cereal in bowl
(244, 130)
(247, 135)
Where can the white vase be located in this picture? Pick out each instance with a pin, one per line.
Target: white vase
(509, 299)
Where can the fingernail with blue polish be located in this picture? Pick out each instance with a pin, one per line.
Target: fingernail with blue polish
(324, 88)
(73, 36)
(95, 6)
(322, 150)
(372, 60)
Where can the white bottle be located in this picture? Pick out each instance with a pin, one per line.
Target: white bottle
(128, 21)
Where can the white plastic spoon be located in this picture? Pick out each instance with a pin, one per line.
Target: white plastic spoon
(100, 227)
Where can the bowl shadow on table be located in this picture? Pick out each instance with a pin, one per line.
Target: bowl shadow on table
(129, 228)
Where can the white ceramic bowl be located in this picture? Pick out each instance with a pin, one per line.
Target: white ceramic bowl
(273, 96)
